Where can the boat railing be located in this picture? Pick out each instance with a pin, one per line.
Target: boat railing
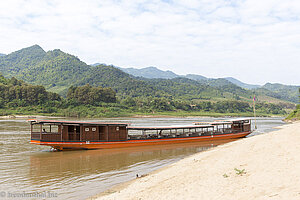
(35, 135)
(223, 131)
(168, 134)
(53, 136)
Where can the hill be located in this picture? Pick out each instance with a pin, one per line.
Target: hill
(195, 77)
(153, 72)
(1, 54)
(183, 88)
(16, 62)
(57, 71)
(280, 91)
(276, 91)
(150, 72)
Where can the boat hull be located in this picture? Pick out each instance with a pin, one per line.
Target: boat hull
(69, 145)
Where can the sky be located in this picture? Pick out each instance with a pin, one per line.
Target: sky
(255, 41)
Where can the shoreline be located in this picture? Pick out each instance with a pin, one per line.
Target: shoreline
(258, 167)
(27, 117)
(213, 115)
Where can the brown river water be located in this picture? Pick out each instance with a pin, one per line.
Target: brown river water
(34, 172)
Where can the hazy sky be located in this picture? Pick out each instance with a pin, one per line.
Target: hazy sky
(256, 41)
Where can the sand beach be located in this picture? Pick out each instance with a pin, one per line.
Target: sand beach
(265, 166)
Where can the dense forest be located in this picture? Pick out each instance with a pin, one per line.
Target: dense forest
(58, 83)
(14, 93)
(89, 95)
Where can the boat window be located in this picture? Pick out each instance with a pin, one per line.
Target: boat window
(70, 128)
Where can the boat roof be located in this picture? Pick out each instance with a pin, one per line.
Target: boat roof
(227, 121)
(238, 119)
(35, 121)
(168, 127)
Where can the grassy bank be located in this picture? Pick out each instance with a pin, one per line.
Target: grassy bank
(295, 115)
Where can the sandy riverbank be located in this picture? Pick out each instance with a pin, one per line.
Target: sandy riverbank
(261, 167)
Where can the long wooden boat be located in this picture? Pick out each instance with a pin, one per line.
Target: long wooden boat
(66, 135)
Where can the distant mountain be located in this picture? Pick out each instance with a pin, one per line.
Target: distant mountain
(1, 54)
(228, 84)
(153, 72)
(195, 77)
(150, 72)
(241, 84)
(277, 87)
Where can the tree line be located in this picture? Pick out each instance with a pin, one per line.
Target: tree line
(15, 93)
(224, 106)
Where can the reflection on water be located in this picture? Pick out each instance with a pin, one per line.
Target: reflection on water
(80, 174)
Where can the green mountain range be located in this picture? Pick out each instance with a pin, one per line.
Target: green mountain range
(57, 71)
(153, 72)
(279, 91)
(276, 90)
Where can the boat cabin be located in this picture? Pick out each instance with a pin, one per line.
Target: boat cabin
(230, 126)
(240, 125)
(50, 130)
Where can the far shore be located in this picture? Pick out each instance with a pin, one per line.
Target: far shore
(28, 117)
(265, 166)
(55, 117)
(149, 115)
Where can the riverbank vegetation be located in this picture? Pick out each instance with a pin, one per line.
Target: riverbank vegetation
(294, 115)
(18, 97)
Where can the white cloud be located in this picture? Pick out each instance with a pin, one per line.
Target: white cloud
(255, 41)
